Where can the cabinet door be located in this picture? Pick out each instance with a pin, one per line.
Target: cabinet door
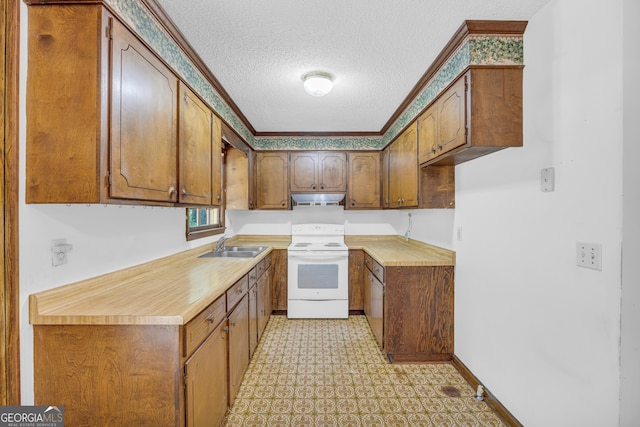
(427, 134)
(206, 381)
(236, 179)
(403, 169)
(385, 177)
(264, 301)
(332, 172)
(272, 183)
(452, 118)
(356, 279)
(195, 149)
(253, 318)
(364, 181)
(238, 346)
(143, 122)
(376, 318)
(373, 306)
(303, 173)
(216, 166)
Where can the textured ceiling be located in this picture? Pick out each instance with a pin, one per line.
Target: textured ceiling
(376, 49)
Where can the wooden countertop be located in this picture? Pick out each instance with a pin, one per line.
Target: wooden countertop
(395, 251)
(174, 289)
(167, 291)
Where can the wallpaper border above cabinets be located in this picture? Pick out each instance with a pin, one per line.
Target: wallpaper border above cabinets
(485, 49)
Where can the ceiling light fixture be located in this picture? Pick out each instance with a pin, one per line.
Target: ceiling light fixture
(318, 83)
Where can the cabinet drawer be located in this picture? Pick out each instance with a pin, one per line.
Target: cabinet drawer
(267, 262)
(237, 291)
(253, 276)
(199, 328)
(261, 267)
(374, 267)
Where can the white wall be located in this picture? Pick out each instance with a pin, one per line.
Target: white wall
(541, 333)
(630, 340)
(427, 225)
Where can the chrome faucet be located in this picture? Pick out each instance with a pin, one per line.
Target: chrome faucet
(221, 244)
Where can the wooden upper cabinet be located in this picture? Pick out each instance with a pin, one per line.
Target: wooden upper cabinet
(195, 149)
(67, 101)
(480, 113)
(403, 169)
(143, 122)
(318, 172)
(442, 127)
(236, 170)
(104, 117)
(384, 169)
(272, 180)
(216, 167)
(364, 181)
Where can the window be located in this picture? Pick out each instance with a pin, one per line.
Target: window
(202, 222)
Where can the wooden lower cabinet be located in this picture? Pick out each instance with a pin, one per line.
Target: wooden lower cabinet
(155, 375)
(356, 280)
(279, 282)
(206, 381)
(374, 307)
(263, 303)
(410, 311)
(253, 319)
(238, 346)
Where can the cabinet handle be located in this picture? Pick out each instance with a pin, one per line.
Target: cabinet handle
(282, 203)
(211, 319)
(239, 291)
(172, 191)
(353, 203)
(313, 187)
(184, 192)
(322, 186)
(439, 147)
(433, 150)
(233, 323)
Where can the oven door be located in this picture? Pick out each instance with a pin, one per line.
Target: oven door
(318, 275)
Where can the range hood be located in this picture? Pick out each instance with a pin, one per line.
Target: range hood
(313, 199)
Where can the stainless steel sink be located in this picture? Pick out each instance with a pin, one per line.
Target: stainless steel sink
(235, 252)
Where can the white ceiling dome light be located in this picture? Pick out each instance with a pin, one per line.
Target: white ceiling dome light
(318, 83)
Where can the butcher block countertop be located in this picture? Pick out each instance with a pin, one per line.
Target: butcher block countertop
(175, 289)
(395, 251)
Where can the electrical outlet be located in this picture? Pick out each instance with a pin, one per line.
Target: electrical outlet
(547, 180)
(589, 255)
(59, 249)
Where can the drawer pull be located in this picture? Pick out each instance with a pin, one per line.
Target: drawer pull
(211, 319)
(233, 323)
(239, 291)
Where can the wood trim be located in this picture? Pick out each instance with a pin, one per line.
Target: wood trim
(467, 28)
(10, 41)
(493, 403)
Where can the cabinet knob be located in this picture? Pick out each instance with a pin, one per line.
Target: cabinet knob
(353, 203)
(211, 319)
(233, 323)
(433, 150)
(282, 203)
(322, 186)
(439, 147)
(313, 187)
(185, 192)
(172, 191)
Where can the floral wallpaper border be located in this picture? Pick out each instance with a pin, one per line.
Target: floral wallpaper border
(476, 50)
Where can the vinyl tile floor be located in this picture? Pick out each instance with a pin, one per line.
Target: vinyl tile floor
(330, 372)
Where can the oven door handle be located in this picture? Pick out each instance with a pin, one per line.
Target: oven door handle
(311, 257)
